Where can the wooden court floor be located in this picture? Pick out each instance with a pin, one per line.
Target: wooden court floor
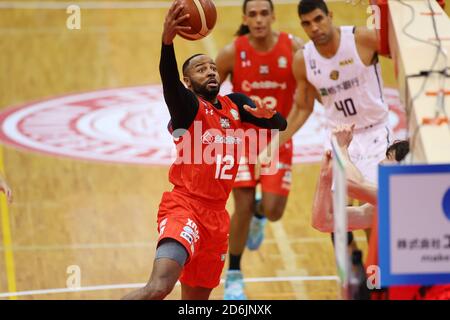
(102, 217)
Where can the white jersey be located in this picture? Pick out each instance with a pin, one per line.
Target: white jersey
(351, 92)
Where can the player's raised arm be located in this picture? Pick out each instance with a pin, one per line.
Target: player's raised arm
(358, 187)
(322, 216)
(181, 102)
(225, 62)
(344, 136)
(172, 23)
(300, 112)
(303, 100)
(367, 39)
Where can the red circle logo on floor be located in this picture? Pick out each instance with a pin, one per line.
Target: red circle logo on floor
(129, 125)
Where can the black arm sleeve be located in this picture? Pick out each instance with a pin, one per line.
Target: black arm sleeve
(276, 122)
(182, 102)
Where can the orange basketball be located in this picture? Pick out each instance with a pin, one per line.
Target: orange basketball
(202, 19)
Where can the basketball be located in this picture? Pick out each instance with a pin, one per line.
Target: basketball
(202, 18)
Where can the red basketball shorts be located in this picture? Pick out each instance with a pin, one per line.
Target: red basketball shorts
(202, 228)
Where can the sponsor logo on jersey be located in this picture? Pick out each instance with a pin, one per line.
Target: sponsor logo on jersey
(248, 86)
(346, 62)
(209, 111)
(188, 229)
(264, 69)
(334, 75)
(282, 62)
(225, 123)
(227, 139)
(345, 85)
(186, 236)
(208, 138)
(192, 229)
(190, 233)
(313, 66)
(162, 226)
(235, 114)
(244, 62)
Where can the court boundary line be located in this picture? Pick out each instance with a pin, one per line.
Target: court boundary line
(7, 239)
(140, 285)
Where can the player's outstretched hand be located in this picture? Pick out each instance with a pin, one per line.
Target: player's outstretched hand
(261, 110)
(344, 134)
(172, 23)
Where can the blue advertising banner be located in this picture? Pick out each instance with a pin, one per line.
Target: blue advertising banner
(414, 224)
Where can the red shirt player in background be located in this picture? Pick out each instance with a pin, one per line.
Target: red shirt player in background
(193, 224)
(259, 62)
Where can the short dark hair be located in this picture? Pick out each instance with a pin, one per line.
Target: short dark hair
(243, 29)
(307, 6)
(188, 60)
(401, 149)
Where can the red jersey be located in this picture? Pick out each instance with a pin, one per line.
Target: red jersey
(208, 153)
(266, 75)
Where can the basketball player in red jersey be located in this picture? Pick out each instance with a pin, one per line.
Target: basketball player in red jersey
(193, 224)
(259, 62)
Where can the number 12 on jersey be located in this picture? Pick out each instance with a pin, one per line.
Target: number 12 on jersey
(222, 165)
(347, 107)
